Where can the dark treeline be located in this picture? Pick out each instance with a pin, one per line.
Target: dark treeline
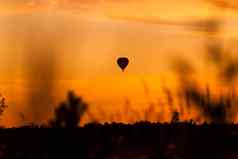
(109, 141)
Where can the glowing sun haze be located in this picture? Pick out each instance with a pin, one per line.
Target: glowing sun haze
(48, 47)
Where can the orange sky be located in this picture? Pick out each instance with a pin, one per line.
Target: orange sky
(59, 45)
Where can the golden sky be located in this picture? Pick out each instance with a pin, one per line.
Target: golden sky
(50, 46)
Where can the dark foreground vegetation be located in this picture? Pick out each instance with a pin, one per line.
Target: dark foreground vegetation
(142, 140)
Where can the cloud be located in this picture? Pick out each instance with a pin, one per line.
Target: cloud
(230, 4)
(31, 6)
(153, 8)
(23, 6)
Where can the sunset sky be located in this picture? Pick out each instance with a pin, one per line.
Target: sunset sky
(48, 47)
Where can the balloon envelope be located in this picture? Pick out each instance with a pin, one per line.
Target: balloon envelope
(122, 62)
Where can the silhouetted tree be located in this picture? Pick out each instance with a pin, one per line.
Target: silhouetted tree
(69, 114)
(175, 117)
(3, 105)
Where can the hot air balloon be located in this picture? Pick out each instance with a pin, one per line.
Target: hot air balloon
(122, 62)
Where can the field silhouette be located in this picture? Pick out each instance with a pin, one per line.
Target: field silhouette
(139, 140)
(62, 137)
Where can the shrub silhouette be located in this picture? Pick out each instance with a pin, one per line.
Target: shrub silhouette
(175, 117)
(3, 105)
(69, 113)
